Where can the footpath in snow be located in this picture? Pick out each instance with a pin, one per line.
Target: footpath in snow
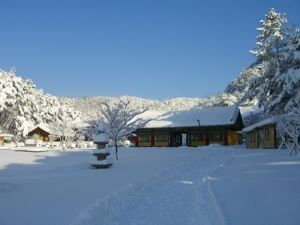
(178, 195)
(49, 188)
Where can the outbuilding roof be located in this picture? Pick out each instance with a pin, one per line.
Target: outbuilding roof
(6, 135)
(264, 122)
(46, 128)
(53, 131)
(214, 116)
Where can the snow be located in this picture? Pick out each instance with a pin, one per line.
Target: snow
(102, 138)
(6, 135)
(259, 187)
(46, 128)
(103, 150)
(297, 55)
(271, 120)
(159, 186)
(108, 160)
(22, 105)
(206, 117)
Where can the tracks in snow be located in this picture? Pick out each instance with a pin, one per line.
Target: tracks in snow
(177, 195)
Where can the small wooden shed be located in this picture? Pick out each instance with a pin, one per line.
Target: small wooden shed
(262, 134)
(42, 133)
(5, 138)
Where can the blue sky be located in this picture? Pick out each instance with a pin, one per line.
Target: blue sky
(147, 48)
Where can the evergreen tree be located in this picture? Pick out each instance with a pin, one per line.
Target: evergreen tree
(270, 40)
(276, 46)
(286, 96)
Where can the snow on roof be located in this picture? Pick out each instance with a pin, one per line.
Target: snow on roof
(53, 131)
(260, 124)
(187, 118)
(80, 124)
(46, 128)
(101, 138)
(6, 135)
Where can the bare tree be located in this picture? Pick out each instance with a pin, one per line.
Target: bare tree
(63, 130)
(92, 130)
(120, 121)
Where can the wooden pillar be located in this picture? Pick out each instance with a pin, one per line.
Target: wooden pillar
(275, 135)
(137, 140)
(152, 139)
(207, 137)
(257, 137)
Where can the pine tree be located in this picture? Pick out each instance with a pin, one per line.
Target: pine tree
(286, 97)
(276, 46)
(270, 40)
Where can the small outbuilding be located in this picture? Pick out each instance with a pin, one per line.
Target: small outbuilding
(42, 132)
(5, 138)
(262, 134)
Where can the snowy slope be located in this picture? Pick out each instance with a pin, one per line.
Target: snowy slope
(89, 106)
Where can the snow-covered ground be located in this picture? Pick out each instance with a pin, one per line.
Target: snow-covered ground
(208, 185)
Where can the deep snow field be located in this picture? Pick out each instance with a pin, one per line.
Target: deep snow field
(151, 186)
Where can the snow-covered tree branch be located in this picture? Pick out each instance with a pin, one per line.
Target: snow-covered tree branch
(289, 127)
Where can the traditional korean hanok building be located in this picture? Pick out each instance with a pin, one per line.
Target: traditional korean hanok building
(42, 133)
(262, 134)
(220, 125)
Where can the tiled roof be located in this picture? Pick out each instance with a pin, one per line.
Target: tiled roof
(189, 118)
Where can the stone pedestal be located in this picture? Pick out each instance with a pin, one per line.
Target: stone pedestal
(103, 159)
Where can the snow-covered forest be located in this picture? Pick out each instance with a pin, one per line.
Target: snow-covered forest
(22, 105)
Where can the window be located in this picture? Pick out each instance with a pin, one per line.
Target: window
(197, 137)
(217, 137)
(144, 137)
(252, 137)
(267, 134)
(161, 137)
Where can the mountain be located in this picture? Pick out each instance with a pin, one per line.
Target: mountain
(89, 106)
(22, 105)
